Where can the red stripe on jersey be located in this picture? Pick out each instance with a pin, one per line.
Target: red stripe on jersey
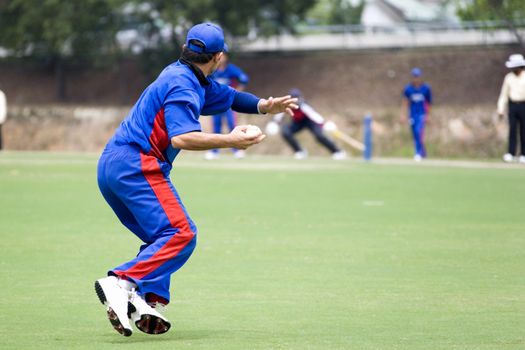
(158, 138)
(175, 214)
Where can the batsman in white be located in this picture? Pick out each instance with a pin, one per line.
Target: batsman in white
(305, 117)
(133, 175)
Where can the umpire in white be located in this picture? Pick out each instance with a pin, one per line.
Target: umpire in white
(512, 99)
(3, 114)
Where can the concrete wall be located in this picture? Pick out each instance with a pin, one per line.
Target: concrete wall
(343, 86)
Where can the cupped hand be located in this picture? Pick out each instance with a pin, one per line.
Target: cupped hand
(240, 140)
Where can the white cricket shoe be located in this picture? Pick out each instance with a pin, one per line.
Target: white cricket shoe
(418, 158)
(340, 155)
(210, 155)
(146, 318)
(522, 159)
(116, 301)
(239, 154)
(300, 155)
(508, 158)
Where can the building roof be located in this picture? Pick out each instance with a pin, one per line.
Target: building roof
(378, 12)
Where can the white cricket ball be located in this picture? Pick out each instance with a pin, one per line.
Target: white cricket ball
(253, 131)
(272, 128)
(329, 126)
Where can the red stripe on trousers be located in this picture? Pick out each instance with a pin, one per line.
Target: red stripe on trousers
(158, 138)
(175, 214)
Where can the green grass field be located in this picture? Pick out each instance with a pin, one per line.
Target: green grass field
(291, 255)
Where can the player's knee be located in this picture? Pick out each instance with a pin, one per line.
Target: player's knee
(321, 138)
(186, 235)
(188, 242)
(187, 239)
(286, 132)
(192, 243)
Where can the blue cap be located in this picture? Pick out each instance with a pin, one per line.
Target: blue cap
(416, 72)
(211, 37)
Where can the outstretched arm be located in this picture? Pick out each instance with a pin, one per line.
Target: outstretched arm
(274, 105)
(245, 102)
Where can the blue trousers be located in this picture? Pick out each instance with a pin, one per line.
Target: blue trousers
(417, 124)
(138, 189)
(218, 121)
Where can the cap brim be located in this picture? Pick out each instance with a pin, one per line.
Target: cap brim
(225, 48)
(514, 64)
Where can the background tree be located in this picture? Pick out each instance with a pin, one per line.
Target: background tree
(60, 33)
(163, 24)
(344, 12)
(336, 12)
(276, 16)
(65, 33)
(509, 11)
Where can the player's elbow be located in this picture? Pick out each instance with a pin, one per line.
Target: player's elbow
(191, 141)
(178, 142)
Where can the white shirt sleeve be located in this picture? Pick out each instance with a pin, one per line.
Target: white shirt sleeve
(3, 107)
(312, 114)
(503, 99)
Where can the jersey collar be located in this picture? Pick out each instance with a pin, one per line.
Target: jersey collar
(198, 73)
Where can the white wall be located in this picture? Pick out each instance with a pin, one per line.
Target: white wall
(375, 14)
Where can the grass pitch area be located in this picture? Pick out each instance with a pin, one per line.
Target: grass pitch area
(291, 255)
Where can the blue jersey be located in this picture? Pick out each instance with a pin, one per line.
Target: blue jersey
(171, 106)
(419, 98)
(231, 75)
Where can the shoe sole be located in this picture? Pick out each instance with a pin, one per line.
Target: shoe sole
(112, 316)
(152, 324)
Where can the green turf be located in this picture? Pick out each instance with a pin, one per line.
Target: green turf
(291, 255)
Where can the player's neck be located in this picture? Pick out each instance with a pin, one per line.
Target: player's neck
(206, 68)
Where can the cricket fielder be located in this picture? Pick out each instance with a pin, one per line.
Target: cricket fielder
(306, 117)
(133, 175)
(417, 99)
(231, 75)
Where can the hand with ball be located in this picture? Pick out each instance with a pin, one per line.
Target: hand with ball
(244, 136)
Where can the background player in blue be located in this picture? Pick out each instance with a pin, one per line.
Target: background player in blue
(133, 175)
(231, 75)
(417, 98)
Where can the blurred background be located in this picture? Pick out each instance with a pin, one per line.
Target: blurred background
(72, 69)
